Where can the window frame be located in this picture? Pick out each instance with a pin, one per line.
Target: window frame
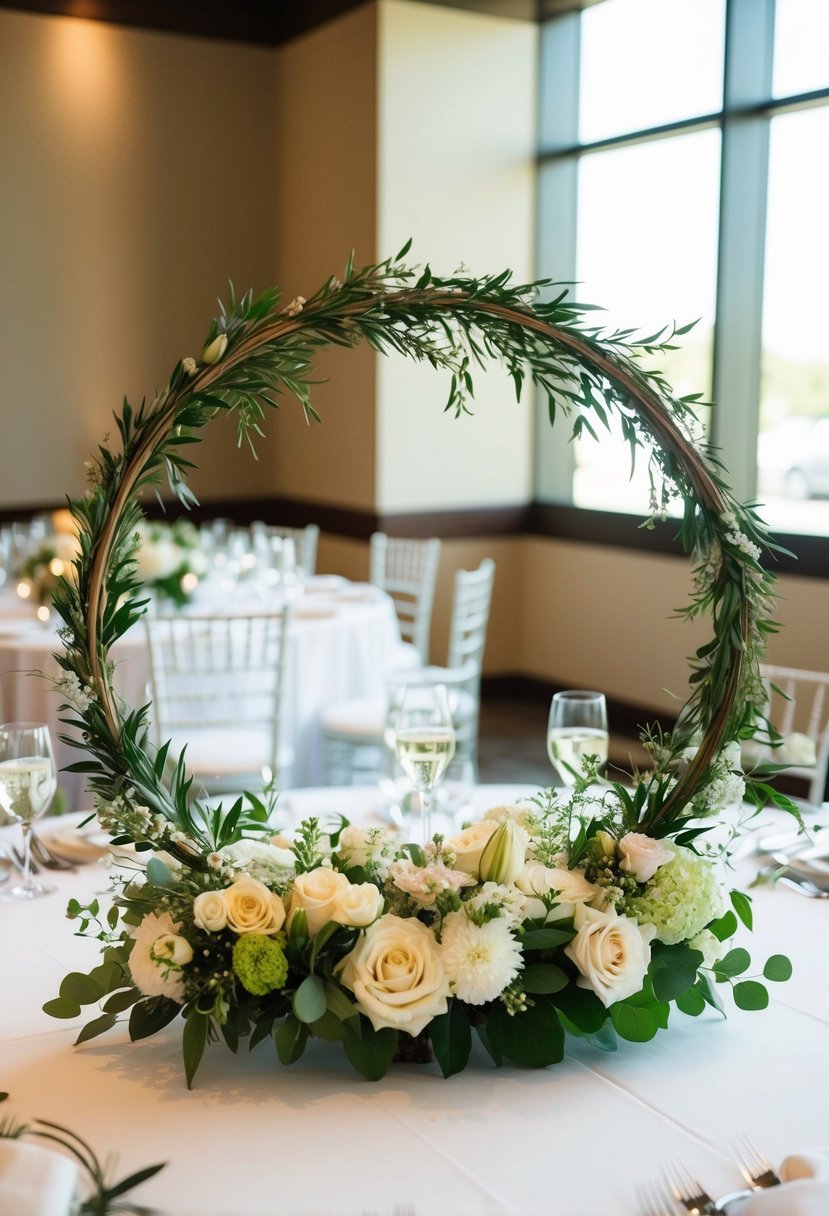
(745, 123)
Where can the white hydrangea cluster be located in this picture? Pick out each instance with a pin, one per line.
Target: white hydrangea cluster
(680, 899)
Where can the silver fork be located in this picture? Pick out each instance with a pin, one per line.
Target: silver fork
(46, 857)
(656, 1200)
(688, 1192)
(754, 1166)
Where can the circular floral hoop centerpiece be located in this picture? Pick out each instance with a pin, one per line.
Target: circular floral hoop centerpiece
(590, 915)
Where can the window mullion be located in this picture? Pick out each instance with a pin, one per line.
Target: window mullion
(743, 191)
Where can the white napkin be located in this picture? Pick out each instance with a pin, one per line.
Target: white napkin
(35, 1181)
(804, 1191)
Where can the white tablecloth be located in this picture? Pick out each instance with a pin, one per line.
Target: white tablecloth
(341, 643)
(254, 1138)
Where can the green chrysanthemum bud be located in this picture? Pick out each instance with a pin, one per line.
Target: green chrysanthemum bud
(259, 963)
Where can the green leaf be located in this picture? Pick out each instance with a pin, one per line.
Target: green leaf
(735, 963)
(105, 1022)
(370, 1051)
(108, 975)
(338, 1003)
(778, 968)
(133, 1180)
(673, 971)
(724, 927)
(328, 1027)
(119, 1001)
(62, 1008)
(636, 1023)
(605, 1039)
(533, 1037)
(81, 988)
(290, 1038)
(309, 1000)
(193, 1042)
(492, 1052)
(741, 904)
(451, 1039)
(543, 978)
(150, 1016)
(583, 1008)
(691, 1002)
(546, 939)
(750, 994)
(158, 874)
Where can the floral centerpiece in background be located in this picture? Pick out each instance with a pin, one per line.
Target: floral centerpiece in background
(169, 560)
(592, 915)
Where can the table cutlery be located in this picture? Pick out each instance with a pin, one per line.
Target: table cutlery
(802, 885)
(656, 1200)
(19, 861)
(754, 1166)
(46, 857)
(688, 1192)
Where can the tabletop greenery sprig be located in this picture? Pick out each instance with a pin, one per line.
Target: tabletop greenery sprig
(255, 354)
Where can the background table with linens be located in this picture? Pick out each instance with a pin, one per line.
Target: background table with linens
(254, 1138)
(342, 639)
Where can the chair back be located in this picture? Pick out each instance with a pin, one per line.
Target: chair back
(798, 704)
(219, 676)
(470, 616)
(407, 570)
(305, 544)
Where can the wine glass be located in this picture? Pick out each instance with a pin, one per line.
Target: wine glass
(577, 727)
(28, 781)
(424, 742)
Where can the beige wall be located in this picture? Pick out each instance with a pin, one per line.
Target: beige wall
(134, 185)
(140, 171)
(456, 173)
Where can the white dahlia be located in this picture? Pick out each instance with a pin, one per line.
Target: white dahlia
(480, 961)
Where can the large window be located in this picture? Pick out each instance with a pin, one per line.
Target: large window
(684, 172)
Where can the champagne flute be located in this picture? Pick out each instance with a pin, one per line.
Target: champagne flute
(577, 727)
(424, 743)
(28, 781)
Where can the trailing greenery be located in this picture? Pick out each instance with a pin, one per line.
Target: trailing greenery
(256, 354)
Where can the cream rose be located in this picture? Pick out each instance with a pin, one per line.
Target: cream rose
(570, 887)
(469, 844)
(359, 905)
(210, 911)
(612, 953)
(642, 855)
(252, 907)
(318, 894)
(396, 975)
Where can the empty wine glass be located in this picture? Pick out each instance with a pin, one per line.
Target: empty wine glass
(577, 727)
(424, 742)
(28, 781)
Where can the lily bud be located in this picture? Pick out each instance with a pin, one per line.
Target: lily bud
(214, 350)
(503, 857)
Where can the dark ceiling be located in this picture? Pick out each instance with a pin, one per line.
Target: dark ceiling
(270, 22)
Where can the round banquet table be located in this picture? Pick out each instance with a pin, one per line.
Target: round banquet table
(253, 1138)
(343, 639)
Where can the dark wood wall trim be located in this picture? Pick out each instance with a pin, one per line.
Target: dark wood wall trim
(809, 554)
(264, 22)
(626, 718)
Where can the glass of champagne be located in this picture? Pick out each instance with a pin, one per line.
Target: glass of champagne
(28, 781)
(424, 743)
(577, 727)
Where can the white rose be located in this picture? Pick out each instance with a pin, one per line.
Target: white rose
(642, 855)
(469, 844)
(318, 894)
(171, 950)
(252, 907)
(612, 953)
(518, 814)
(570, 887)
(359, 905)
(210, 911)
(267, 862)
(359, 846)
(396, 975)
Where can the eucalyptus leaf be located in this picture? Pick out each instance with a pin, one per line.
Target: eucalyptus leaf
(451, 1039)
(309, 1000)
(778, 968)
(750, 995)
(290, 1038)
